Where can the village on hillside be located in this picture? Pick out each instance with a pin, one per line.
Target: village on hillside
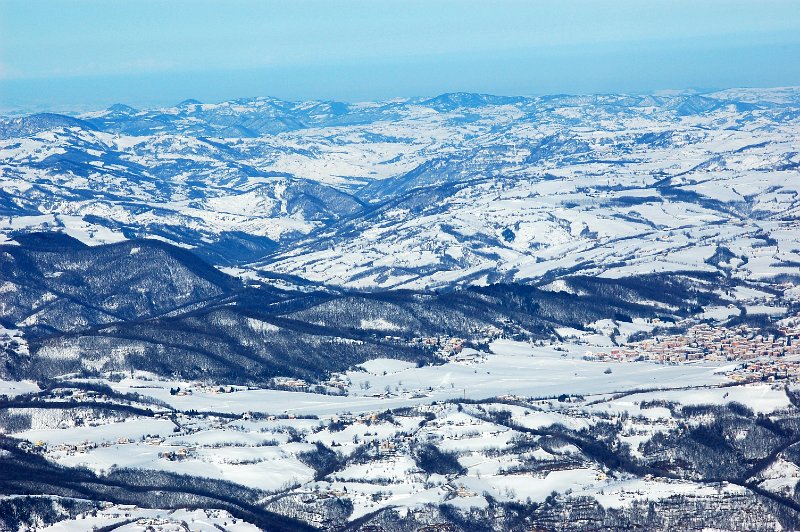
(764, 356)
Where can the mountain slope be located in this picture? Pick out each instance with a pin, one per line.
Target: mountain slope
(456, 189)
(145, 305)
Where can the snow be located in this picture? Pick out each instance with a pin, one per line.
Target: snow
(263, 453)
(719, 313)
(132, 428)
(380, 324)
(761, 398)
(565, 210)
(119, 518)
(764, 309)
(379, 366)
(514, 368)
(621, 494)
(520, 487)
(268, 468)
(13, 388)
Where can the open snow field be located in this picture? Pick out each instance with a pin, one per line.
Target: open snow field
(507, 437)
(514, 368)
(259, 454)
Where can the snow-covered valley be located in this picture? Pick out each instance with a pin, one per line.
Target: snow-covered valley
(466, 312)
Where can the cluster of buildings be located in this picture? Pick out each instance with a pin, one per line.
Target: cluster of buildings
(338, 381)
(459, 491)
(445, 345)
(71, 449)
(470, 356)
(704, 342)
(766, 369)
(448, 346)
(764, 356)
(365, 419)
(289, 382)
(176, 455)
(204, 388)
(78, 395)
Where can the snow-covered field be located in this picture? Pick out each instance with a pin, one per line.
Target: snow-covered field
(132, 519)
(514, 368)
(262, 445)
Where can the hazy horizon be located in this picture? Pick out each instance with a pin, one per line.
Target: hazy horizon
(90, 54)
(79, 109)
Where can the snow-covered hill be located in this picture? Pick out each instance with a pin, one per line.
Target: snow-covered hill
(468, 312)
(461, 188)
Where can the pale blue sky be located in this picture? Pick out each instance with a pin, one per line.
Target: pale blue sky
(57, 53)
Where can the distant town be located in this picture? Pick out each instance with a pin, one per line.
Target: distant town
(764, 356)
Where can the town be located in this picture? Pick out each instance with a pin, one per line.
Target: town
(766, 356)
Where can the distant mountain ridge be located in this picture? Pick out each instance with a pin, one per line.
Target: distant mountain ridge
(426, 192)
(32, 124)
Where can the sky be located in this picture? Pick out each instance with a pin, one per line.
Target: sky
(57, 54)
